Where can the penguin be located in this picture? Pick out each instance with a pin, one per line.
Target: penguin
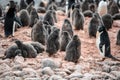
(113, 8)
(50, 16)
(10, 18)
(93, 25)
(92, 7)
(73, 49)
(38, 32)
(11, 52)
(103, 43)
(27, 50)
(85, 5)
(23, 5)
(107, 20)
(116, 16)
(24, 17)
(67, 27)
(88, 13)
(30, 1)
(0, 11)
(64, 40)
(53, 45)
(77, 19)
(29, 7)
(33, 16)
(118, 38)
(102, 7)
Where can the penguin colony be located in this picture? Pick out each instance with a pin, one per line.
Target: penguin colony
(47, 37)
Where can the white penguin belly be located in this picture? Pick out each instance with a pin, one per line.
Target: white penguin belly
(103, 47)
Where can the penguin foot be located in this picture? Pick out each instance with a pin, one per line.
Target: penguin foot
(101, 60)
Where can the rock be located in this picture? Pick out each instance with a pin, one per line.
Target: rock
(75, 75)
(61, 73)
(19, 60)
(116, 74)
(115, 68)
(106, 68)
(7, 73)
(61, 13)
(11, 78)
(32, 78)
(45, 77)
(17, 67)
(55, 77)
(49, 63)
(29, 73)
(4, 68)
(48, 71)
(78, 68)
(18, 73)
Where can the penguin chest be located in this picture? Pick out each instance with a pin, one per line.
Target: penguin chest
(98, 43)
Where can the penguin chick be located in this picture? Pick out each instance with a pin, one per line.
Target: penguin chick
(73, 49)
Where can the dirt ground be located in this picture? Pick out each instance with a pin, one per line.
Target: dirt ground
(89, 52)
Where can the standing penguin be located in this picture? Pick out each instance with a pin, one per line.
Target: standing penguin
(77, 19)
(33, 16)
(103, 43)
(93, 25)
(108, 21)
(53, 44)
(23, 5)
(9, 24)
(102, 7)
(0, 11)
(118, 38)
(73, 49)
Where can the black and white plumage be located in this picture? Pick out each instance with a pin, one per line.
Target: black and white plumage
(73, 49)
(10, 19)
(103, 43)
(23, 5)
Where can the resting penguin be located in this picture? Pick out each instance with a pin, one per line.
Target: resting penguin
(50, 16)
(118, 38)
(10, 18)
(73, 49)
(27, 50)
(103, 43)
(77, 19)
(38, 47)
(53, 44)
(11, 52)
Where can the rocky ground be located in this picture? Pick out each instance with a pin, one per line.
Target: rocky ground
(88, 67)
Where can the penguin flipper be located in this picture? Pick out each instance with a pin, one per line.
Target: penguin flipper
(17, 20)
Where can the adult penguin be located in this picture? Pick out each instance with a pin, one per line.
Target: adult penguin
(29, 1)
(103, 43)
(10, 18)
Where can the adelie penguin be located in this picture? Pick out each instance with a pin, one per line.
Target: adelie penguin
(93, 25)
(23, 5)
(118, 38)
(10, 18)
(108, 21)
(77, 19)
(53, 44)
(64, 40)
(73, 49)
(67, 27)
(50, 16)
(103, 43)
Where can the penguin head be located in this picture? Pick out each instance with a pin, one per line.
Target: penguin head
(65, 33)
(75, 37)
(101, 29)
(18, 42)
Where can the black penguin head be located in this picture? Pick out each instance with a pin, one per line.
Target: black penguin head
(75, 37)
(101, 28)
(18, 42)
(65, 33)
(12, 4)
(66, 21)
